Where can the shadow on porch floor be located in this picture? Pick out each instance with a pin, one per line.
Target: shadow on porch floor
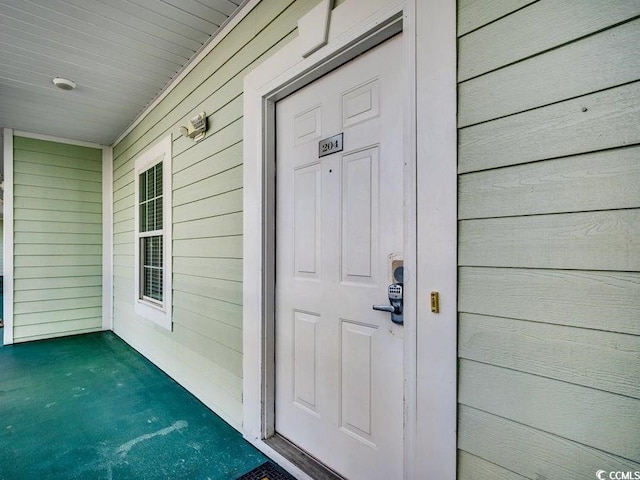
(91, 407)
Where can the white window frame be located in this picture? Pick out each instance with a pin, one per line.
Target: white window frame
(161, 314)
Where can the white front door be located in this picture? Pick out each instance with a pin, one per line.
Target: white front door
(339, 231)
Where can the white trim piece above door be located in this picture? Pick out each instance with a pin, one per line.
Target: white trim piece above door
(355, 27)
(7, 250)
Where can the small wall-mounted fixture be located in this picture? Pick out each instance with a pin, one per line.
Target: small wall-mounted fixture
(196, 128)
(63, 83)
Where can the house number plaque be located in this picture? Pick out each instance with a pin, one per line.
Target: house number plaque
(330, 145)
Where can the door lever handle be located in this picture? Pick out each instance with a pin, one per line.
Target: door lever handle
(384, 308)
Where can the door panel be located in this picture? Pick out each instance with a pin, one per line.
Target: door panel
(339, 226)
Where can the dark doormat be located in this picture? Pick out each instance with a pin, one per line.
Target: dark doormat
(266, 471)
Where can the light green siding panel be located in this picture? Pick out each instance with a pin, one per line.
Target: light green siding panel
(221, 268)
(227, 137)
(57, 227)
(49, 204)
(532, 453)
(122, 249)
(229, 202)
(221, 226)
(218, 310)
(124, 203)
(47, 160)
(58, 216)
(595, 181)
(218, 120)
(56, 329)
(53, 171)
(125, 180)
(56, 238)
(122, 166)
(570, 411)
(57, 260)
(123, 289)
(602, 360)
(125, 260)
(549, 230)
(47, 306)
(598, 121)
(608, 240)
(58, 316)
(471, 467)
(226, 91)
(54, 272)
(125, 192)
(214, 330)
(221, 355)
(57, 183)
(43, 193)
(219, 247)
(124, 272)
(124, 238)
(225, 290)
(223, 182)
(208, 166)
(601, 61)
(124, 226)
(535, 29)
(57, 294)
(124, 215)
(85, 154)
(473, 14)
(596, 300)
(36, 285)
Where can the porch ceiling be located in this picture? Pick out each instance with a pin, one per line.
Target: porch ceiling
(120, 53)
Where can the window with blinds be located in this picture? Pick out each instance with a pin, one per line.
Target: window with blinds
(151, 233)
(152, 289)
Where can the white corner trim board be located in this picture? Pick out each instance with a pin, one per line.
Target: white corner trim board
(354, 27)
(107, 238)
(8, 235)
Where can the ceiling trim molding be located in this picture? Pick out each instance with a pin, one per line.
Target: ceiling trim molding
(52, 138)
(215, 39)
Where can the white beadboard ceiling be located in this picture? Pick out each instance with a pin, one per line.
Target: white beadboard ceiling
(120, 53)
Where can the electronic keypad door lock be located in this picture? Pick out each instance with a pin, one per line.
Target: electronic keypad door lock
(394, 292)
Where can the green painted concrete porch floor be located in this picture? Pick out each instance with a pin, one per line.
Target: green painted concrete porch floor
(91, 407)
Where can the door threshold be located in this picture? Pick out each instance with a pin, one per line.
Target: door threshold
(301, 459)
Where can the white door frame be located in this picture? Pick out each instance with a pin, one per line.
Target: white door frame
(430, 339)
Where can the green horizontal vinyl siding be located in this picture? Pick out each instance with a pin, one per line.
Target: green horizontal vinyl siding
(204, 350)
(57, 239)
(549, 235)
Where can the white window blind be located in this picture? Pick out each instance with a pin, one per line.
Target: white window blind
(151, 233)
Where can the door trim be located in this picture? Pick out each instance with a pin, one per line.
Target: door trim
(355, 27)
